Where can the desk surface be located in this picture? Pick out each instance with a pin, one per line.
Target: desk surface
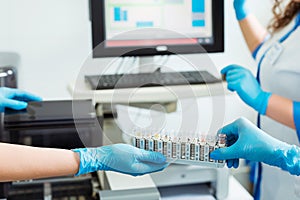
(81, 90)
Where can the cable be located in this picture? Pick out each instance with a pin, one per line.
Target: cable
(163, 63)
(120, 65)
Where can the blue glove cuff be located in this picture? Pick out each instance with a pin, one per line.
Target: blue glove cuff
(288, 159)
(263, 105)
(296, 110)
(88, 163)
(80, 170)
(241, 11)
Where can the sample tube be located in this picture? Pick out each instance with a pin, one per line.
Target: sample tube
(151, 144)
(142, 143)
(147, 144)
(138, 137)
(183, 144)
(178, 149)
(134, 141)
(148, 141)
(137, 142)
(197, 151)
(211, 142)
(188, 149)
(193, 150)
(159, 145)
(222, 143)
(165, 145)
(222, 140)
(174, 147)
(169, 148)
(202, 147)
(157, 142)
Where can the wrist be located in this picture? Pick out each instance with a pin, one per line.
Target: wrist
(263, 101)
(241, 10)
(287, 157)
(88, 160)
(77, 161)
(79, 153)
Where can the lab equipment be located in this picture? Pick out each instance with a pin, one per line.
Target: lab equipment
(115, 81)
(241, 9)
(199, 22)
(53, 124)
(8, 76)
(60, 188)
(249, 142)
(120, 158)
(245, 84)
(184, 150)
(122, 31)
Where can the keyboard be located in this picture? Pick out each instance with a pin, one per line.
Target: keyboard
(154, 79)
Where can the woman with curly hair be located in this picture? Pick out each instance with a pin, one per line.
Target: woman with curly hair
(274, 93)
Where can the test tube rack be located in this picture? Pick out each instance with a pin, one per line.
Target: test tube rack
(182, 150)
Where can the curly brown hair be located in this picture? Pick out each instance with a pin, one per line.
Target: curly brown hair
(283, 16)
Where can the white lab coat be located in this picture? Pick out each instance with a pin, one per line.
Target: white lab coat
(280, 75)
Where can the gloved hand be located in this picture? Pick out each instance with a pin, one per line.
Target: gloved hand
(244, 83)
(120, 158)
(15, 99)
(241, 9)
(247, 141)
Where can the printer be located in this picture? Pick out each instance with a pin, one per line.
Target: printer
(52, 124)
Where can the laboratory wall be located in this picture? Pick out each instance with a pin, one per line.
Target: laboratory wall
(53, 39)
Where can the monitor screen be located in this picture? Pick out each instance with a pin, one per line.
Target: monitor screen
(157, 27)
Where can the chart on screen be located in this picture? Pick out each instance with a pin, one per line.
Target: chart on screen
(191, 18)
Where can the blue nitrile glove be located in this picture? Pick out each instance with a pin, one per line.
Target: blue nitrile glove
(247, 141)
(15, 99)
(244, 83)
(121, 158)
(241, 9)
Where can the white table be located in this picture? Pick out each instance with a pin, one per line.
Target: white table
(82, 90)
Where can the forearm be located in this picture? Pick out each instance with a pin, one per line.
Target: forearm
(254, 33)
(23, 162)
(281, 110)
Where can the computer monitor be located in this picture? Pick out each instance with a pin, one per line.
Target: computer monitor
(195, 21)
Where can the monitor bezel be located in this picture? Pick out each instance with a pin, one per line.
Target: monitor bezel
(98, 36)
